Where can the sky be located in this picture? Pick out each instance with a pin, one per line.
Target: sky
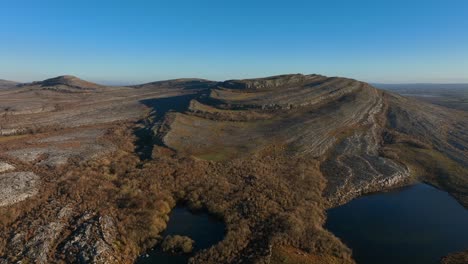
(124, 42)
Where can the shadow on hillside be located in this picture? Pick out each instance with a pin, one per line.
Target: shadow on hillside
(159, 108)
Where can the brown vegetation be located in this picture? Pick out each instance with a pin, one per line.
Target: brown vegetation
(177, 244)
(457, 258)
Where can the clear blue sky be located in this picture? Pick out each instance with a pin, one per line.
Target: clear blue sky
(138, 41)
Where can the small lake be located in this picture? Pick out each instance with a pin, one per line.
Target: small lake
(413, 225)
(203, 228)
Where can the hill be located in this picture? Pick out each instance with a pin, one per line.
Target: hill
(7, 84)
(268, 156)
(354, 126)
(336, 137)
(65, 83)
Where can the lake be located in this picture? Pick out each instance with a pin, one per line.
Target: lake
(418, 224)
(203, 228)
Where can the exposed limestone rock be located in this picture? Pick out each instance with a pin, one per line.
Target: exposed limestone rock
(39, 246)
(92, 242)
(9, 131)
(269, 82)
(17, 186)
(54, 156)
(355, 166)
(40, 238)
(4, 167)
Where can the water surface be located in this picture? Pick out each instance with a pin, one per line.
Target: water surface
(203, 228)
(413, 225)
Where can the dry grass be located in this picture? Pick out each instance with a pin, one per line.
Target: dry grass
(11, 138)
(290, 255)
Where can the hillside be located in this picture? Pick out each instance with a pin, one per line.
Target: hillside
(7, 84)
(65, 83)
(268, 156)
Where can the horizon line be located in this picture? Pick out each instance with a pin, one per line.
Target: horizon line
(131, 83)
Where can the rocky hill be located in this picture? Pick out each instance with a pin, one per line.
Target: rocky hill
(268, 156)
(355, 130)
(7, 84)
(64, 83)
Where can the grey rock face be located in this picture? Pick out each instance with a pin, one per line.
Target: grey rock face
(17, 186)
(92, 242)
(4, 167)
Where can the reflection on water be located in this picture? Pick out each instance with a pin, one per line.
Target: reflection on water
(417, 224)
(204, 229)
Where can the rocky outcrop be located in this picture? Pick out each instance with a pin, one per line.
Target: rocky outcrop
(92, 242)
(44, 238)
(282, 92)
(274, 82)
(57, 149)
(92, 239)
(4, 167)
(10, 131)
(55, 156)
(17, 186)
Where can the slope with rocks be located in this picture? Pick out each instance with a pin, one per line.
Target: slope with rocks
(361, 139)
(64, 83)
(346, 124)
(268, 156)
(56, 137)
(7, 84)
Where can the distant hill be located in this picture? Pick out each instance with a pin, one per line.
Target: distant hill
(185, 83)
(64, 83)
(422, 86)
(448, 95)
(7, 84)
